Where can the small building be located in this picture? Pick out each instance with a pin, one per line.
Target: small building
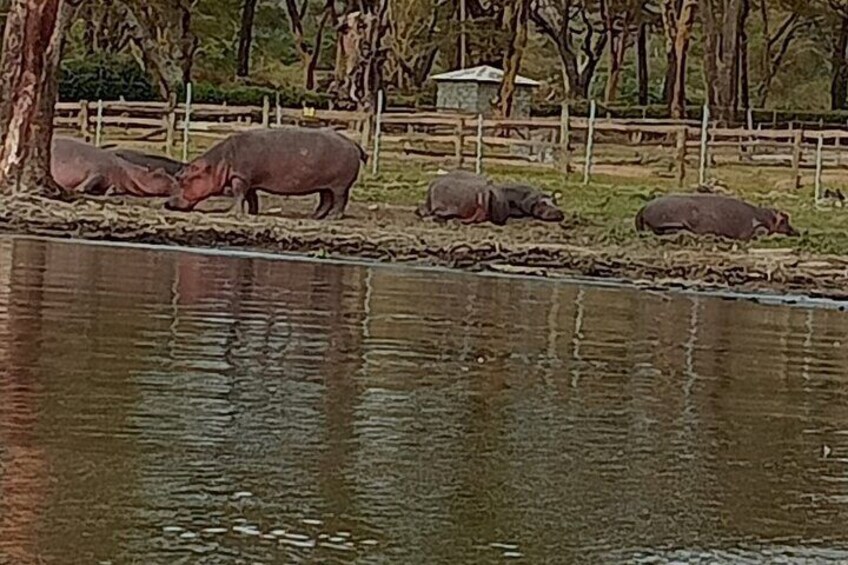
(476, 91)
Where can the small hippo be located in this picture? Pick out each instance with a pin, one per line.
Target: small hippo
(287, 161)
(473, 198)
(149, 161)
(714, 214)
(79, 167)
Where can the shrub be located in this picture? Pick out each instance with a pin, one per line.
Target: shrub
(106, 78)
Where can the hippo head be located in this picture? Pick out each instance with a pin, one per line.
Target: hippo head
(778, 222)
(196, 181)
(545, 209)
(159, 183)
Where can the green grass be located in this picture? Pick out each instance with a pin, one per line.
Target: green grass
(602, 212)
(604, 209)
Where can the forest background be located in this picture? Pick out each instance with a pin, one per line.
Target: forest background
(729, 54)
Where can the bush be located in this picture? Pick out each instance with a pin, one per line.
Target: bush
(112, 77)
(244, 95)
(105, 78)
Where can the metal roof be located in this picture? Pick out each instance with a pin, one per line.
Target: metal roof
(483, 73)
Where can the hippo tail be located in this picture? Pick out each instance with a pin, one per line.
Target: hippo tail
(640, 220)
(363, 156)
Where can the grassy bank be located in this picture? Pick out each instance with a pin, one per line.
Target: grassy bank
(597, 239)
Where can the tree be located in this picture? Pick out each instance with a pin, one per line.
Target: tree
(245, 38)
(161, 32)
(32, 50)
(678, 19)
(360, 56)
(517, 18)
(722, 26)
(308, 53)
(565, 23)
(620, 17)
(413, 39)
(777, 43)
(642, 63)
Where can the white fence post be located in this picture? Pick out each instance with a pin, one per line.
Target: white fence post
(590, 141)
(186, 122)
(819, 147)
(705, 125)
(478, 167)
(377, 125)
(98, 127)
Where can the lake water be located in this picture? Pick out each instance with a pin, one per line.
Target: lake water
(169, 407)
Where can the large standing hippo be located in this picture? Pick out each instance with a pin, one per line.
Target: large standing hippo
(288, 161)
(714, 214)
(473, 198)
(149, 161)
(79, 167)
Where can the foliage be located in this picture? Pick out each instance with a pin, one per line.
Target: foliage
(796, 59)
(104, 77)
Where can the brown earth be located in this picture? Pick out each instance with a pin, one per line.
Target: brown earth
(394, 234)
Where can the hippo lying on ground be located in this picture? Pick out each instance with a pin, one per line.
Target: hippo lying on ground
(287, 161)
(79, 167)
(152, 162)
(711, 214)
(472, 198)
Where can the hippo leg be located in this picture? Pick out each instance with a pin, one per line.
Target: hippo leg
(252, 199)
(95, 184)
(324, 205)
(340, 198)
(240, 190)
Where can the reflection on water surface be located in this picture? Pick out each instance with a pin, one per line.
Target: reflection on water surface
(161, 407)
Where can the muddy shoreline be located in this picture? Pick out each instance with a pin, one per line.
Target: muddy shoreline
(392, 234)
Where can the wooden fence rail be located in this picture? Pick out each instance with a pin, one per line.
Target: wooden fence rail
(461, 137)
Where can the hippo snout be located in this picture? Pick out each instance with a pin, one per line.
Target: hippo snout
(177, 204)
(547, 211)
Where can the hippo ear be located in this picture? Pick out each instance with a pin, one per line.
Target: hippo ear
(498, 207)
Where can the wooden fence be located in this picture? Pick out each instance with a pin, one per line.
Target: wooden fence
(567, 143)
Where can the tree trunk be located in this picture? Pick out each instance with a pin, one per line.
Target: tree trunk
(839, 68)
(678, 19)
(670, 73)
(162, 67)
(32, 48)
(617, 51)
(309, 71)
(517, 23)
(722, 32)
(642, 63)
(744, 86)
(188, 42)
(245, 38)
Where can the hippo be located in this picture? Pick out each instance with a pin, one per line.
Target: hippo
(714, 214)
(288, 161)
(527, 202)
(473, 198)
(152, 162)
(79, 167)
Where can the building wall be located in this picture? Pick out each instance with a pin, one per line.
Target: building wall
(478, 98)
(457, 96)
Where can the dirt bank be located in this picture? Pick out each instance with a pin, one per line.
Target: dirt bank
(392, 233)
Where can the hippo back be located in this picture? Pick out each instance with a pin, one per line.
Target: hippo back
(148, 161)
